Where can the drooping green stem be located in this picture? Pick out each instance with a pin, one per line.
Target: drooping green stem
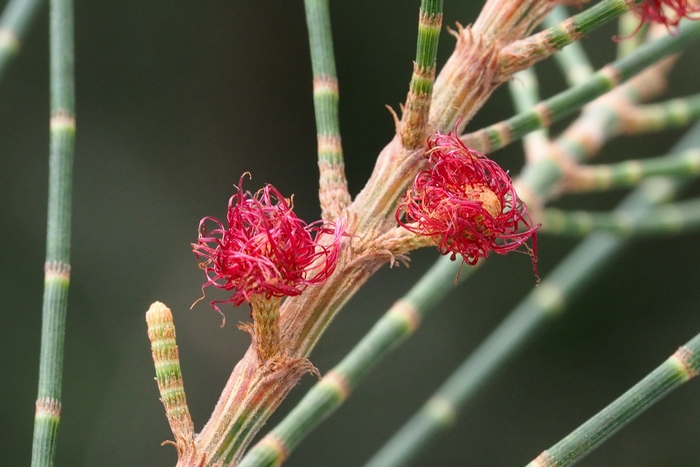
(549, 111)
(15, 20)
(331, 392)
(333, 186)
(572, 59)
(545, 302)
(57, 267)
(632, 172)
(669, 219)
(414, 121)
(678, 369)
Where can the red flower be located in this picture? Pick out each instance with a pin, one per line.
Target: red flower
(666, 12)
(266, 249)
(467, 203)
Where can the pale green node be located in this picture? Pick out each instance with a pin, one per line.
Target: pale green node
(680, 368)
(58, 279)
(50, 416)
(63, 127)
(672, 218)
(9, 41)
(625, 223)
(692, 158)
(582, 221)
(441, 410)
(550, 298)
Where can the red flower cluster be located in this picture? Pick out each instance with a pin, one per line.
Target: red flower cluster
(656, 11)
(266, 249)
(467, 203)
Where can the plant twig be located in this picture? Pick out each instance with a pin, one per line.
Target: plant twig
(333, 186)
(678, 369)
(571, 59)
(414, 120)
(671, 219)
(631, 172)
(57, 266)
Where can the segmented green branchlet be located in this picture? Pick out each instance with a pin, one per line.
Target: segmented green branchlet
(414, 121)
(545, 302)
(572, 59)
(524, 91)
(336, 386)
(551, 110)
(58, 233)
(14, 22)
(671, 219)
(630, 173)
(683, 365)
(333, 186)
(525, 52)
(667, 115)
(161, 333)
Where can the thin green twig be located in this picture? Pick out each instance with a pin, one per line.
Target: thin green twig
(632, 172)
(551, 110)
(671, 219)
(545, 302)
(15, 20)
(333, 186)
(673, 113)
(678, 369)
(57, 267)
(414, 121)
(572, 59)
(524, 91)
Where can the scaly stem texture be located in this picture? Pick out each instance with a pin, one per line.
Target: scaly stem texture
(333, 186)
(57, 267)
(15, 20)
(678, 369)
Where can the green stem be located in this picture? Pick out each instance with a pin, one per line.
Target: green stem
(545, 302)
(523, 53)
(669, 219)
(632, 172)
(57, 268)
(15, 20)
(671, 114)
(331, 392)
(571, 59)
(553, 109)
(333, 186)
(414, 121)
(678, 369)
(524, 91)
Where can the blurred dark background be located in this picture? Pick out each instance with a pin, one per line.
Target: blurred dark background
(174, 102)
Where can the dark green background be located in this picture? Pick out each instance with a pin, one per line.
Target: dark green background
(174, 101)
